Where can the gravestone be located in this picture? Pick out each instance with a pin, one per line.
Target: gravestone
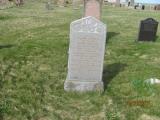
(132, 2)
(19, 2)
(75, 4)
(143, 7)
(49, 5)
(92, 8)
(86, 55)
(148, 29)
(61, 3)
(157, 7)
(118, 3)
(4, 4)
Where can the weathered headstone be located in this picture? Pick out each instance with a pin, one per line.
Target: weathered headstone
(132, 2)
(3, 1)
(92, 8)
(118, 3)
(86, 55)
(75, 4)
(19, 2)
(157, 7)
(6, 4)
(61, 3)
(148, 29)
(49, 5)
(143, 7)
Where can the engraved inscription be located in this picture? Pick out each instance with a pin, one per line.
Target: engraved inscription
(86, 51)
(86, 58)
(88, 25)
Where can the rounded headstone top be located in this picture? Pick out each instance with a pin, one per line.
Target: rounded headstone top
(150, 20)
(88, 24)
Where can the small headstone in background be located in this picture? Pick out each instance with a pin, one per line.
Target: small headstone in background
(132, 2)
(4, 4)
(19, 2)
(157, 7)
(61, 3)
(136, 6)
(148, 29)
(86, 55)
(92, 8)
(143, 7)
(49, 5)
(118, 3)
(75, 4)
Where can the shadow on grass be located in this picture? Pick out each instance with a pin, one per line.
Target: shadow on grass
(110, 35)
(1, 116)
(110, 71)
(6, 46)
(5, 17)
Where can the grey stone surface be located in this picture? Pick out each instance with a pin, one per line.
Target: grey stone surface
(86, 55)
(83, 86)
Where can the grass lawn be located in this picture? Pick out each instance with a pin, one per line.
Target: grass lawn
(33, 67)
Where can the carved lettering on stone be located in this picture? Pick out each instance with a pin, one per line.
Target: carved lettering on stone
(86, 54)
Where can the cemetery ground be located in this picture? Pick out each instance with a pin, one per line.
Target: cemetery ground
(34, 46)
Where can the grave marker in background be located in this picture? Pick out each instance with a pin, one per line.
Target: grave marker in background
(49, 5)
(157, 7)
(92, 8)
(75, 4)
(61, 3)
(132, 2)
(148, 29)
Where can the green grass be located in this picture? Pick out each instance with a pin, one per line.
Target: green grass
(33, 67)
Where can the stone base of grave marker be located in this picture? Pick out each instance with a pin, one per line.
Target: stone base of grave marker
(86, 55)
(71, 85)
